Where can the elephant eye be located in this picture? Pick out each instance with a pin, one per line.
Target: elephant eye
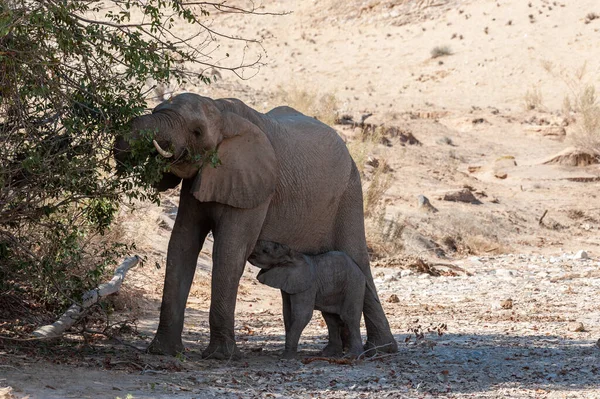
(198, 131)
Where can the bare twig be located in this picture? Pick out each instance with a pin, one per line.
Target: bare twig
(542, 218)
(110, 336)
(374, 348)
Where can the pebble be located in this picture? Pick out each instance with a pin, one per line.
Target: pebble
(393, 299)
(504, 273)
(581, 255)
(576, 326)
(507, 304)
(406, 273)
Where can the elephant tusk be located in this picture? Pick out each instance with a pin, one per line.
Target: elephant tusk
(162, 152)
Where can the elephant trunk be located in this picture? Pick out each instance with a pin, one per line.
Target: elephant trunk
(154, 124)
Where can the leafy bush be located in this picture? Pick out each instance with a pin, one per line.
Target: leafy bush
(72, 74)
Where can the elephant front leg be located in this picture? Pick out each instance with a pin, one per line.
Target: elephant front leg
(301, 316)
(235, 236)
(184, 246)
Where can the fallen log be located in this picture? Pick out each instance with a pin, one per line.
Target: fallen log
(90, 298)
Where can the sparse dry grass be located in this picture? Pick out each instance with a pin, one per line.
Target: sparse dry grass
(323, 107)
(440, 51)
(533, 99)
(380, 182)
(581, 101)
(472, 234)
(362, 146)
(384, 236)
(463, 231)
(587, 135)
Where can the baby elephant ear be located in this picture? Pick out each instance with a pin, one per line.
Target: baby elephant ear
(246, 175)
(291, 278)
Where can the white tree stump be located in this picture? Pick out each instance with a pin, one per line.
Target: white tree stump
(89, 298)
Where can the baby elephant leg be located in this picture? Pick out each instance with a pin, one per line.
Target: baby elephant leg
(335, 327)
(350, 315)
(300, 315)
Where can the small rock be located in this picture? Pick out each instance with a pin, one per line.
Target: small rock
(507, 304)
(581, 255)
(425, 205)
(500, 175)
(393, 299)
(406, 273)
(552, 376)
(576, 326)
(462, 195)
(553, 132)
(504, 273)
(389, 278)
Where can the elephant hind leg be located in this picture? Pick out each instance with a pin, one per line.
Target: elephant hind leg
(350, 238)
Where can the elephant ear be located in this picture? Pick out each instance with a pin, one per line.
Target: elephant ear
(292, 278)
(247, 173)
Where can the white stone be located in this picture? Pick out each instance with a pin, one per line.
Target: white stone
(504, 273)
(406, 273)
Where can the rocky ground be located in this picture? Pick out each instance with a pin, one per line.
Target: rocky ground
(507, 326)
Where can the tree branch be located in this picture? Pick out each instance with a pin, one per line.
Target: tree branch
(91, 297)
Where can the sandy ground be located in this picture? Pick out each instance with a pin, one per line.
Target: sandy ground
(459, 335)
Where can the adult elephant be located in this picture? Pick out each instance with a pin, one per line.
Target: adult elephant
(282, 177)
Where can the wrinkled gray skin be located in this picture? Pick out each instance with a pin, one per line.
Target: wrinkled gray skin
(331, 282)
(283, 177)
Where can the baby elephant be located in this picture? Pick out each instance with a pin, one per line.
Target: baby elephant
(331, 282)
